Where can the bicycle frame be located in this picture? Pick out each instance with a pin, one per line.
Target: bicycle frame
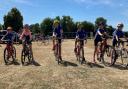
(9, 48)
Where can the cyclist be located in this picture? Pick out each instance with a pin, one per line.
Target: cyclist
(118, 34)
(80, 35)
(9, 37)
(57, 33)
(98, 38)
(27, 37)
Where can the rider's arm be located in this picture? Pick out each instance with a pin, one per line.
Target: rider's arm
(30, 35)
(3, 38)
(117, 38)
(13, 37)
(85, 37)
(21, 36)
(100, 33)
(77, 35)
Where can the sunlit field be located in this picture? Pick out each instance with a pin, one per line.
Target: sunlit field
(45, 73)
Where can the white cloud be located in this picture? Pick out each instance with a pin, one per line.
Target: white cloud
(24, 2)
(95, 2)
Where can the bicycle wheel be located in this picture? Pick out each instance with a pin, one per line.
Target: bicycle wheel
(113, 57)
(124, 55)
(14, 54)
(23, 57)
(6, 57)
(108, 50)
(30, 58)
(81, 56)
(77, 54)
(55, 52)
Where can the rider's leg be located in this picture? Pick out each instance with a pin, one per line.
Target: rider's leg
(59, 47)
(95, 50)
(53, 43)
(82, 44)
(75, 49)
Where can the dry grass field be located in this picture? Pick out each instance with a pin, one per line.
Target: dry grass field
(45, 73)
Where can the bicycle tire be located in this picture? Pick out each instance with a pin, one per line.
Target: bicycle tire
(113, 57)
(5, 56)
(14, 53)
(23, 57)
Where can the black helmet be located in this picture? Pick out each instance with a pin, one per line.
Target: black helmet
(26, 26)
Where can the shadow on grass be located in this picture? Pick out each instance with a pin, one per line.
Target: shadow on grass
(94, 65)
(119, 66)
(35, 63)
(13, 63)
(67, 63)
(16, 63)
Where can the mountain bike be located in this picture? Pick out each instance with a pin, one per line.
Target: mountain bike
(57, 51)
(118, 51)
(9, 53)
(80, 51)
(26, 55)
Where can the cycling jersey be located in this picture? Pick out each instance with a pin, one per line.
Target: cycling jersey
(26, 37)
(118, 33)
(10, 36)
(57, 31)
(81, 34)
(98, 36)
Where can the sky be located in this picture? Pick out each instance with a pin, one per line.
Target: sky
(34, 11)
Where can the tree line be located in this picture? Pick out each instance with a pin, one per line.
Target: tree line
(14, 18)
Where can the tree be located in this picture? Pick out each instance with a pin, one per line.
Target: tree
(58, 18)
(13, 19)
(35, 28)
(46, 25)
(100, 19)
(110, 30)
(88, 26)
(67, 24)
(1, 27)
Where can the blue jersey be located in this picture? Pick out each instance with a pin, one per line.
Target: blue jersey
(10, 36)
(81, 34)
(118, 33)
(57, 31)
(98, 36)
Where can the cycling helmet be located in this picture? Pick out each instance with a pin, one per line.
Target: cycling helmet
(79, 25)
(120, 25)
(26, 26)
(9, 28)
(56, 21)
